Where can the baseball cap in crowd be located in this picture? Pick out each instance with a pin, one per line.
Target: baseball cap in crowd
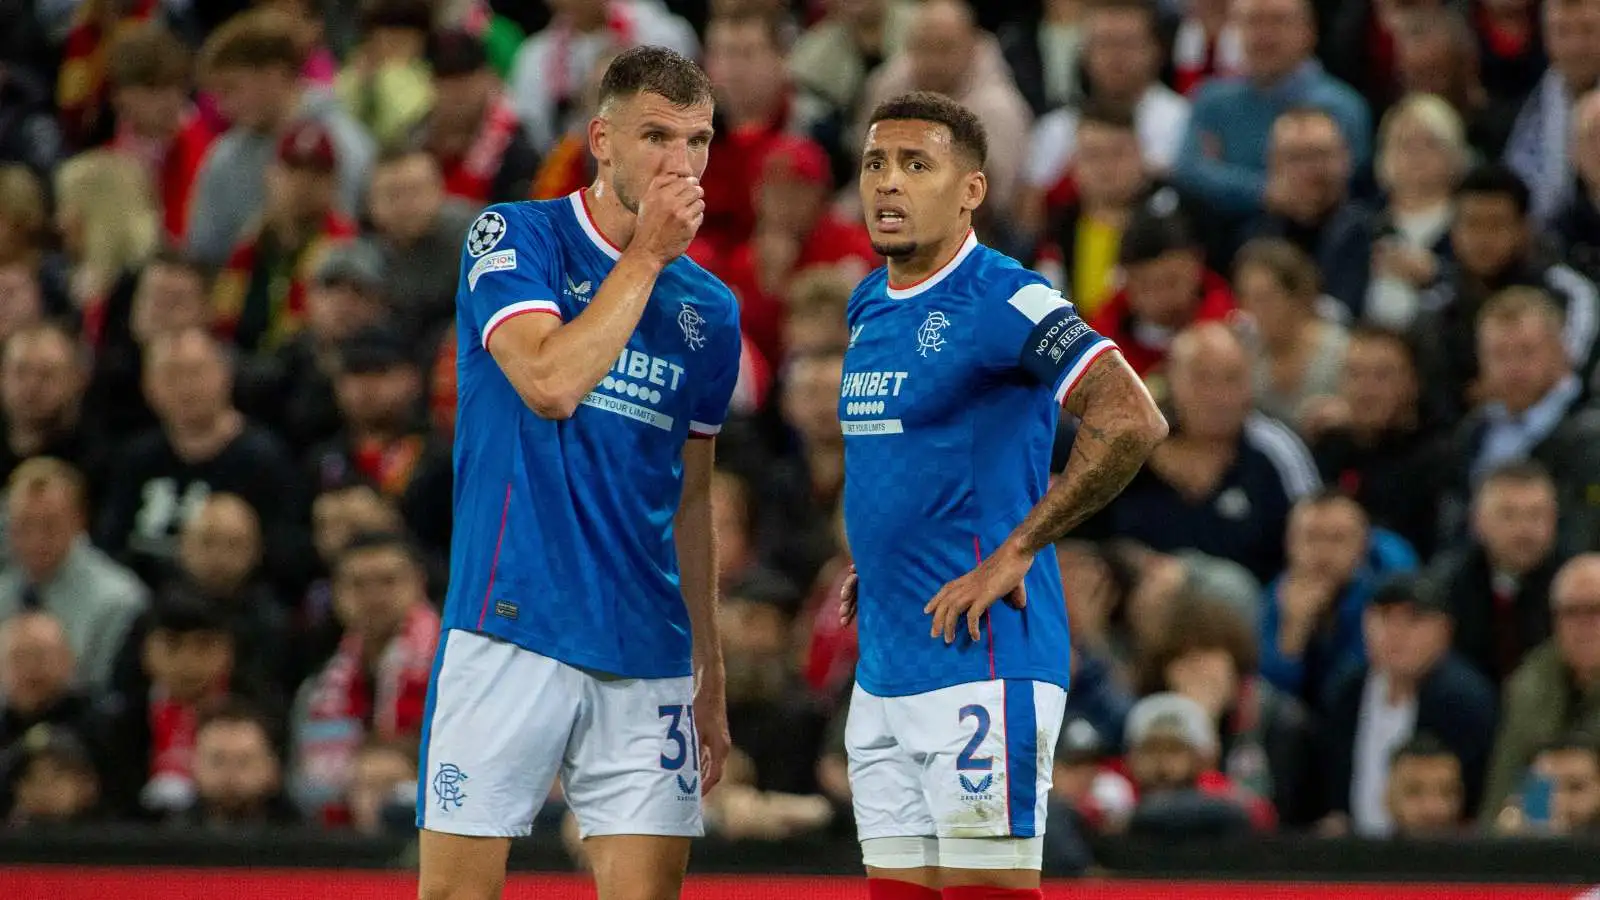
(799, 159)
(455, 52)
(374, 350)
(1174, 716)
(1407, 588)
(1080, 742)
(307, 144)
(354, 263)
(1153, 232)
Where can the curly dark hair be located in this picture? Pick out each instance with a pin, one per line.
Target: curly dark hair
(649, 69)
(1199, 623)
(927, 106)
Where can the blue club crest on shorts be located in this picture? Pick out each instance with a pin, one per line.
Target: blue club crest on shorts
(447, 786)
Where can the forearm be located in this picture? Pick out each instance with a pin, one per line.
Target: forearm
(1119, 427)
(697, 567)
(579, 353)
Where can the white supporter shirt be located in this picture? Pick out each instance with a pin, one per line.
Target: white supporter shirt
(1161, 119)
(1380, 728)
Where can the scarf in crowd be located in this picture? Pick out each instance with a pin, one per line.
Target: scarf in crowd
(81, 84)
(560, 79)
(471, 177)
(173, 166)
(245, 283)
(1197, 56)
(172, 734)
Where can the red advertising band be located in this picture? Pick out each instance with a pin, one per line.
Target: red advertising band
(97, 883)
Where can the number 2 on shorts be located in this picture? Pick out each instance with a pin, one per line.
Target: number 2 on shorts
(966, 762)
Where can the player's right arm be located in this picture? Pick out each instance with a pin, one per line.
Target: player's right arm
(554, 364)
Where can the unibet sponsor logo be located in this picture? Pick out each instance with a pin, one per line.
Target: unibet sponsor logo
(635, 386)
(872, 384)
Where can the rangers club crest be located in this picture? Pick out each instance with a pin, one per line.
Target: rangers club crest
(692, 323)
(930, 335)
(485, 233)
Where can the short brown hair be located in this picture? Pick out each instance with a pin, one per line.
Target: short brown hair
(1286, 263)
(149, 56)
(966, 129)
(1198, 623)
(41, 473)
(258, 39)
(1515, 303)
(648, 69)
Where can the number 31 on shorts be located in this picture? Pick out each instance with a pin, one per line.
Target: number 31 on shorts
(682, 745)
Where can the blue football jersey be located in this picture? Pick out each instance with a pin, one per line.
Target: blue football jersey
(951, 393)
(563, 540)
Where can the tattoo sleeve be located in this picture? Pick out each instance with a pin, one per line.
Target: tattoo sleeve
(1119, 426)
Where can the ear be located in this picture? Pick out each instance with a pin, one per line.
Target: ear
(975, 189)
(600, 139)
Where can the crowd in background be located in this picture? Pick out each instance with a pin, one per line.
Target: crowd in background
(1352, 246)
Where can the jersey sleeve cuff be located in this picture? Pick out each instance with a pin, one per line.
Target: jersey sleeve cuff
(1075, 373)
(702, 430)
(511, 311)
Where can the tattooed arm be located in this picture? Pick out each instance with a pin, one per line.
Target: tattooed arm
(1119, 426)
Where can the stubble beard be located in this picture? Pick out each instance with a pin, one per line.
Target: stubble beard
(899, 251)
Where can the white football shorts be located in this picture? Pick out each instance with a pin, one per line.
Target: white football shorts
(503, 722)
(967, 761)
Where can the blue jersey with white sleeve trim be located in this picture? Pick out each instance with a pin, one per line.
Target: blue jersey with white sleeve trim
(563, 540)
(949, 404)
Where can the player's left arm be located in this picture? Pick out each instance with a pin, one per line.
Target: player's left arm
(696, 539)
(1119, 426)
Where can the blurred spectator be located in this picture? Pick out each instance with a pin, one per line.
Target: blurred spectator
(1410, 684)
(1224, 159)
(1539, 149)
(1171, 758)
(24, 218)
(1532, 408)
(1498, 586)
(1091, 580)
(1424, 794)
(419, 231)
(53, 568)
(188, 662)
(169, 295)
(1166, 285)
(758, 113)
(43, 372)
(770, 719)
(1369, 439)
(1577, 225)
(384, 441)
(739, 811)
(1493, 246)
(1311, 627)
(1224, 481)
(1422, 153)
(1205, 45)
(946, 52)
(1567, 773)
(1358, 45)
(259, 297)
(1083, 795)
(385, 84)
(568, 165)
(1299, 355)
(552, 65)
(292, 390)
(731, 512)
(816, 300)
(383, 791)
(110, 225)
(22, 301)
(219, 557)
(472, 129)
(1122, 59)
(1436, 52)
(377, 681)
(1557, 687)
(1308, 203)
(51, 776)
(252, 64)
(151, 73)
(28, 131)
(1209, 654)
(1045, 55)
(203, 445)
(337, 517)
(794, 231)
(37, 681)
(833, 58)
(238, 776)
(308, 18)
